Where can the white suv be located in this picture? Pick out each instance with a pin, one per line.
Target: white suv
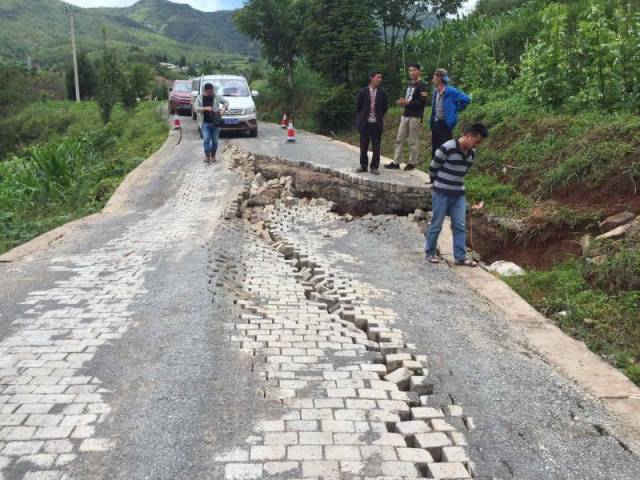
(241, 115)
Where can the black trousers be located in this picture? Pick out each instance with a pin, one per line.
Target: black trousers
(440, 133)
(372, 134)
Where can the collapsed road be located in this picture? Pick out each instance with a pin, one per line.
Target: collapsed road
(271, 316)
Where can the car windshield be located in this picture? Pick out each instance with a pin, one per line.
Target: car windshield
(182, 87)
(232, 88)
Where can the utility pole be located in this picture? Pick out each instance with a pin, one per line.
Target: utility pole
(75, 58)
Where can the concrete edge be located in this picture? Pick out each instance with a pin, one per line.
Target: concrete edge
(115, 203)
(568, 356)
(383, 160)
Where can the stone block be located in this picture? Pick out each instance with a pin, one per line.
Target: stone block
(448, 471)
(415, 455)
(432, 442)
(455, 454)
(400, 377)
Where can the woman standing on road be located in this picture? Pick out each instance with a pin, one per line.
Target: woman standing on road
(210, 108)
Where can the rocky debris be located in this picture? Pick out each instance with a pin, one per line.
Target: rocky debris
(616, 233)
(585, 242)
(505, 269)
(420, 215)
(616, 221)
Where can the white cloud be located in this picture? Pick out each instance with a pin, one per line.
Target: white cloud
(205, 5)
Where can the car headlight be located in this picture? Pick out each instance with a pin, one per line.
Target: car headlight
(249, 110)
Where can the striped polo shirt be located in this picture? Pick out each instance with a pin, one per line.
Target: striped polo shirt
(448, 168)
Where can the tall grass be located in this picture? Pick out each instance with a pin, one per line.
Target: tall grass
(50, 183)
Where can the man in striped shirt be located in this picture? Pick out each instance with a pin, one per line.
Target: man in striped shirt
(449, 165)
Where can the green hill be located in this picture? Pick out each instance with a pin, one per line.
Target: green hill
(40, 29)
(185, 24)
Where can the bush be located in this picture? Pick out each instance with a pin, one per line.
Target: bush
(619, 272)
(57, 181)
(336, 109)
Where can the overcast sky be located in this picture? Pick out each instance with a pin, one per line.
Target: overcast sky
(205, 5)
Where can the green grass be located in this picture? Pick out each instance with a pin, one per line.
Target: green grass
(607, 320)
(60, 179)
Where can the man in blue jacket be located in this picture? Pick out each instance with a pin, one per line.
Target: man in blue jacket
(446, 103)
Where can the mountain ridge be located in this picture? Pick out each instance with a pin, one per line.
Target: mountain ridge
(40, 29)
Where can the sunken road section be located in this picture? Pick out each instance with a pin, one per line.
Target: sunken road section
(350, 398)
(351, 193)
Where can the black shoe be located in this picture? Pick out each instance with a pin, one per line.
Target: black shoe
(392, 166)
(361, 170)
(374, 171)
(408, 167)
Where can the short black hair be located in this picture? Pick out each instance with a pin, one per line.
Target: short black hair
(415, 65)
(208, 86)
(477, 130)
(373, 73)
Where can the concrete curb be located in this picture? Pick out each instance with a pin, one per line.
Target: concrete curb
(115, 203)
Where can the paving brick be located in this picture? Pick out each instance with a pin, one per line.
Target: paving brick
(420, 385)
(455, 454)
(411, 427)
(316, 438)
(267, 452)
(448, 471)
(276, 468)
(243, 471)
(415, 455)
(320, 468)
(426, 413)
(286, 438)
(342, 452)
(22, 448)
(433, 442)
(305, 452)
(400, 469)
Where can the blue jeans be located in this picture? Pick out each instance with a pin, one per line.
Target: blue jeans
(455, 207)
(210, 135)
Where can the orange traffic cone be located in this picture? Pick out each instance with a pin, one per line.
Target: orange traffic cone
(284, 123)
(291, 133)
(176, 123)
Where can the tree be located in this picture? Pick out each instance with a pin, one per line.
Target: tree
(546, 64)
(599, 47)
(109, 77)
(340, 38)
(398, 18)
(86, 77)
(182, 62)
(627, 17)
(141, 79)
(276, 24)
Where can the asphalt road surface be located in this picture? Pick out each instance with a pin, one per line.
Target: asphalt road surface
(161, 341)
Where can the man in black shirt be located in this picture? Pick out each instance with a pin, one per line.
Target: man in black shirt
(414, 103)
(371, 106)
(210, 108)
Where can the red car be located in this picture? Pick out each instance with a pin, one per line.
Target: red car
(180, 97)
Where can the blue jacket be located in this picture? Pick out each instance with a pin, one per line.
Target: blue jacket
(454, 101)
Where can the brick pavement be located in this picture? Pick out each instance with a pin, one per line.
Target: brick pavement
(49, 408)
(358, 401)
